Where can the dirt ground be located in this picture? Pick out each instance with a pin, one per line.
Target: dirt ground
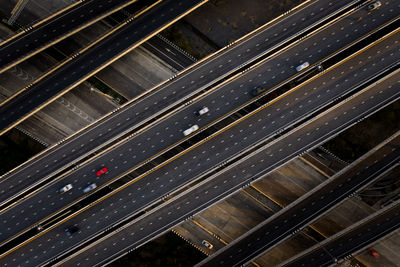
(220, 22)
(362, 137)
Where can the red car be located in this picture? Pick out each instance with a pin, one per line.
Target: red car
(373, 253)
(101, 171)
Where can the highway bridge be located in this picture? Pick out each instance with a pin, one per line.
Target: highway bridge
(89, 61)
(256, 119)
(212, 186)
(224, 126)
(351, 240)
(362, 172)
(141, 159)
(166, 98)
(54, 29)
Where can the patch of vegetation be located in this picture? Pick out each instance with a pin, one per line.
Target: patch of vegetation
(98, 84)
(359, 139)
(167, 250)
(16, 148)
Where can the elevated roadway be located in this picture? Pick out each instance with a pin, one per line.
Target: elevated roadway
(169, 53)
(172, 128)
(54, 29)
(120, 124)
(248, 131)
(79, 67)
(218, 184)
(311, 206)
(350, 240)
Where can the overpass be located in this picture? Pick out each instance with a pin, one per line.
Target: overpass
(192, 83)
(143, 159)
(216, 184)
(55, 28)
(281, 226)
(350, 240)
(79, 67)
(255, 120)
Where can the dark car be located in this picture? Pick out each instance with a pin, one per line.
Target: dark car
(374, 5)
(257, 91)
(71, 230)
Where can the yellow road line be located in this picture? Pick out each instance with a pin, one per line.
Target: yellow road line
(99, 69)
(17, 5)
(315, 167)
(209, 231)
(192, 147)
(41, 77)
(40, 22)
(327, 236)
(12, 64)
(196, 145)
(254, 198)
(183, 72)
(267, 196)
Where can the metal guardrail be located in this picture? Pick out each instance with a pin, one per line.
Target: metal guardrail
(355, 245)
(194, 144)
(225, 121)
(317, 188)
(191, 97)
(240, 159)
(58, 14)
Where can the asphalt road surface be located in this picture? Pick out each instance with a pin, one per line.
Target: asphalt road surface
(352, 240)
(169, 53)
(229, 180)
(196, 79)
(312, 205)
(141, 147)
(54, 29)
(88, 63)
(209, 154)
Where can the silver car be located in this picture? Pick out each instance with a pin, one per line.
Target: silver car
(89, 188)
(202, 111)
(207, 244)
(302, 66)
(65, 188)
(190, 130)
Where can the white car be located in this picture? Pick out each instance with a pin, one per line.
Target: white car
(66, 188)
(89, 188)
(207, 244)
(302, 66)
(202, 111)
(190, 130)
(374, 5)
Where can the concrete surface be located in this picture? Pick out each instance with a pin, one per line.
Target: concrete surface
(136, 72)
(224, 21)
(234, 216)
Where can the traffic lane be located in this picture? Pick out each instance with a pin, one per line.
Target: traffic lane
(216, 149)
(328, 195)
(231, 179)
(343, 77)
(254, 79)
(168, 52)
(70, 68)
(98, 55)
(54, 29)
(25, 18)
(351, 240)
(202, 74)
